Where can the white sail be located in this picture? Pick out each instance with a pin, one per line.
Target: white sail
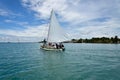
(55, 33)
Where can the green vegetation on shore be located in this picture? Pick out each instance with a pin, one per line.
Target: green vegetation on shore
(96, 40)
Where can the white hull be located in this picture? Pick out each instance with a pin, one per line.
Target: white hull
(52, 49)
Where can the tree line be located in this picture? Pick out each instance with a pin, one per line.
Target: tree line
(97, 40)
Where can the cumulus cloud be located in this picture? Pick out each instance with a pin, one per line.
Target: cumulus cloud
(37, 31)
(83, 16)
(3, 12)
(43, 8)
(107, 29)
(16, 22)
(30, 34)
(8, 13)
(71, 10)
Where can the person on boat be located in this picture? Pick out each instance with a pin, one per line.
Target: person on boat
(57, 46)
(50, 44)
(44, 42)
(53, 45)
(61, 45)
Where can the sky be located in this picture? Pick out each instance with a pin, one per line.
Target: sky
(28, 20)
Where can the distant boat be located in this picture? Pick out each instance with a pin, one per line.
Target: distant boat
(56, 35)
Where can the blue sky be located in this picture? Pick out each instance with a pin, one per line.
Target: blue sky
(27, 20)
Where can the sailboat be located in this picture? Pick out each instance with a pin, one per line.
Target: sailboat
(56, 35)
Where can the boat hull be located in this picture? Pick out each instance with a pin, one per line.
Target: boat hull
(52, 49)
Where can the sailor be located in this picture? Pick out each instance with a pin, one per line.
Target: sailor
(50, 44)
(57, 46)
(44, 42)
(53, 45)
(61, 45)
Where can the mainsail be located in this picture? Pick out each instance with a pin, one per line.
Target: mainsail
(55, 32)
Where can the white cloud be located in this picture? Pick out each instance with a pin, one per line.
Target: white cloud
(30, 34)
(8, 13)
(37, 31)
(16, 22)
(70, 10)
(106, 29)
(3, 12)
(43, 8)
(82, 17)
(74, 11)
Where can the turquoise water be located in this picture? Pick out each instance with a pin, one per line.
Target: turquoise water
(25, 61)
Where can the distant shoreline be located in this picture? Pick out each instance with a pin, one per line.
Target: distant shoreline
(105, 40)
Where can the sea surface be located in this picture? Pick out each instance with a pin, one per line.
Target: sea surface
(26, 61)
